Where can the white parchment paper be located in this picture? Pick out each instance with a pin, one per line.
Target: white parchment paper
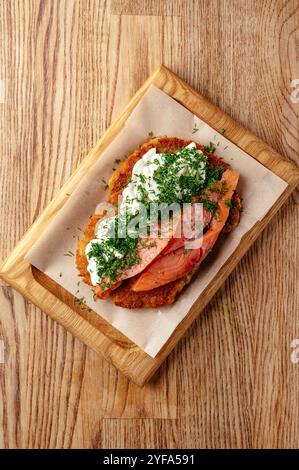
(162, 115)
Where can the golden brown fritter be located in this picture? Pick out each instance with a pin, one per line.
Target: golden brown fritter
(123, 295)
(81, 259)
(234, 214)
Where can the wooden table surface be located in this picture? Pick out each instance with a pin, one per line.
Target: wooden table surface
(69, 67)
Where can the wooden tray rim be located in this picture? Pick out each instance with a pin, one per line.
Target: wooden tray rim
(17, 272)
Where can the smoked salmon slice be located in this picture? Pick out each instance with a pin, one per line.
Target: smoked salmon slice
(148, 248)
(179, 238)
(175, 264)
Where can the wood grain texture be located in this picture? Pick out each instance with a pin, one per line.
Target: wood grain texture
(95, 332)
(69, 68)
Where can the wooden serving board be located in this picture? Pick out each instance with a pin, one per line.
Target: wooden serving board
(89, 326)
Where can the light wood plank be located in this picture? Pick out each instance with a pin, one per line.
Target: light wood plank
(123, 354)
(242, 56)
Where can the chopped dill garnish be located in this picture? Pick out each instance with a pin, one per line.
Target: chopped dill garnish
(211, 206)
(114, 255)
(104, 183)
(151, 134)
(151, 245)
(222, 131)
(210, 148)
(69, 253)
(229, 203)
(60, 274)
(195, 129)
(82, 302)
(174, 188)
(117, 160)
(213, 174)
